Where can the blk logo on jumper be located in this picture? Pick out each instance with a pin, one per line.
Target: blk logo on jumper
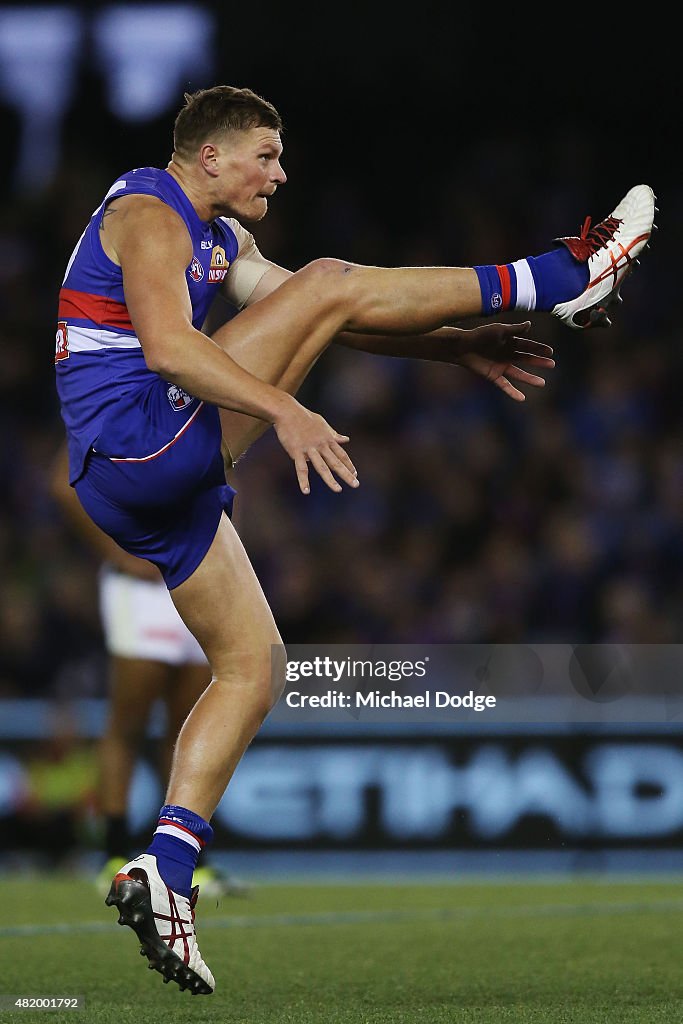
(178, 398)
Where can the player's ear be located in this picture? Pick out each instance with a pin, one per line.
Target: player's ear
(208, 157)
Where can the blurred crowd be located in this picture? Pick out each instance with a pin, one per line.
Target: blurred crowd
(477, 520)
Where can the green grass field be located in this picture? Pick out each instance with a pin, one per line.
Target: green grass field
(494, 951)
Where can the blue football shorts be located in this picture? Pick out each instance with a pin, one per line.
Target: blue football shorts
(164, 506)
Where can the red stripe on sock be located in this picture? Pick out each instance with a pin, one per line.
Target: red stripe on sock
(183, 828)
(504, 275)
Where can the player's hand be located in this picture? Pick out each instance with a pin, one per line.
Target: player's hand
(499, 353)
(308, 438)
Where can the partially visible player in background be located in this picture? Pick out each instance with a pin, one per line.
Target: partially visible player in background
(152, 657)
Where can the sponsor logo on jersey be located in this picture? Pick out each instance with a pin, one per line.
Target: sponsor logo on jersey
(62, 341)
(207, 243)
(196, 270)
(178, 398)
(219, 265)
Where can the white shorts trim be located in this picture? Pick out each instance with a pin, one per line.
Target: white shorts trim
(160, 451)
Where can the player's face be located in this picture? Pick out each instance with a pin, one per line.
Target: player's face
(250, 171)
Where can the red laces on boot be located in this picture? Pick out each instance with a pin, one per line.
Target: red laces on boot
(591, 239)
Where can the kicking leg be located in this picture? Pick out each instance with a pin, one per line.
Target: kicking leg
(280, 338)
(577, 282)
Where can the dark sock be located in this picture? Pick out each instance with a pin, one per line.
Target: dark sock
(558, 277)
(179, 839)
(537, 282)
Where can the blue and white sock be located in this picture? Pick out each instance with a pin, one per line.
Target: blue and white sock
(180, 837)
(538, 282)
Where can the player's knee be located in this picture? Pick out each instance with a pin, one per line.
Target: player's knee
(270, 678)
(328, 278)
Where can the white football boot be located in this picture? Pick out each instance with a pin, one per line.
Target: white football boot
(163, 921)
(610, 249)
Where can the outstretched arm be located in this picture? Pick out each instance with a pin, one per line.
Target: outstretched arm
(153, 248)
